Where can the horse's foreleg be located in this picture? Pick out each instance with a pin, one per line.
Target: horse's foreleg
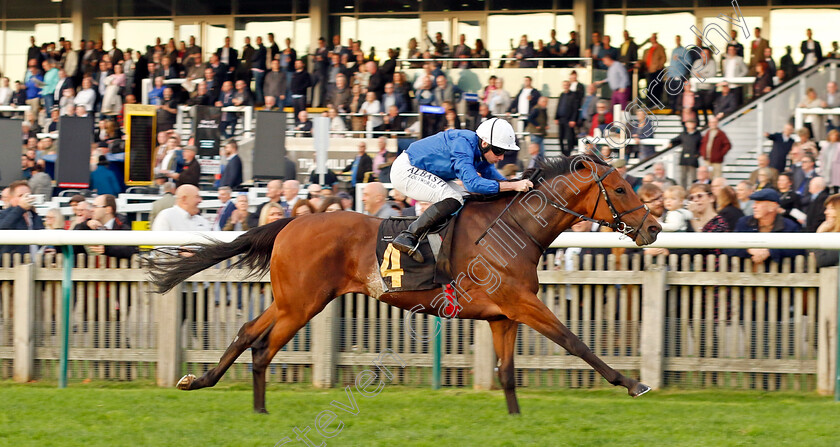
(504, 340)
(531, 311)
(248, 334)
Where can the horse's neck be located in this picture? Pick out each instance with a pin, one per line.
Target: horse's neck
(517, 220)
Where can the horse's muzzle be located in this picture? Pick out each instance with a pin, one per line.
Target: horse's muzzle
(647, 235)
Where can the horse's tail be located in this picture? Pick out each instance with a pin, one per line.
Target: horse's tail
(168, 266)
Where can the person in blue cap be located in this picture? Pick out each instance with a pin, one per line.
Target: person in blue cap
(426, 171)
(767, 218)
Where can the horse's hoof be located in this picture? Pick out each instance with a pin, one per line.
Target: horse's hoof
(639, 389)
(185, 382)
(260, 410)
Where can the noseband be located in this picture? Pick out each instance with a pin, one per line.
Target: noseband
(617, 224)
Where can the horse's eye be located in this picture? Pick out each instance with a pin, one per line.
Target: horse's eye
(619, 190)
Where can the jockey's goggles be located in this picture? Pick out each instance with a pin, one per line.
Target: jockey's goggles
(497, 150)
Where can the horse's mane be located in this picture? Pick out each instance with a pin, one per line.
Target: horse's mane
(546, 169)
(557, 166)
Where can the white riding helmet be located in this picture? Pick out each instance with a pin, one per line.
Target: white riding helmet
(498, 132)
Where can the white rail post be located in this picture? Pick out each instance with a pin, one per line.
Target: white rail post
(827, 328)
(652, 343)
(168, 310)
(24, 322)
(484, 357)
(324, 346)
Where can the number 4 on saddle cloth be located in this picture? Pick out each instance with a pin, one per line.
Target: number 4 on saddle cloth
(401, 273)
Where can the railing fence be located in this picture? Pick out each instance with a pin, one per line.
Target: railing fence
(674, 321)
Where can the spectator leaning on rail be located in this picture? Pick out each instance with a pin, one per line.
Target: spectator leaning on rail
(766, 218)
(185, 215)
(105, 217)
(20, 215)
(427, 169)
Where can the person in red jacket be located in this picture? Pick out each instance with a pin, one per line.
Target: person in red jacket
(601, 119)
(714, 146)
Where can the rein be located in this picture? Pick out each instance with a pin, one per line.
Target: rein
(616, 225)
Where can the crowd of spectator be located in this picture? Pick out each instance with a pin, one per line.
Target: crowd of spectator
(364, 95)
(793, 189)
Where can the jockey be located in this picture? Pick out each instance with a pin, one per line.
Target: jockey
(427, 169)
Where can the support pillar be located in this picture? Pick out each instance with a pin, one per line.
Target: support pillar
(82, 20)
(827, 331)
(168, 310)
(24, 323)
(484, 357)
(319, 12)
(653, 327)
(324, 346)
(583, 12)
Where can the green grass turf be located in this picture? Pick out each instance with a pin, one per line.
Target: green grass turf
(110, 414)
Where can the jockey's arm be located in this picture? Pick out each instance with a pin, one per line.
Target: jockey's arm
(466, 171)
(490, 172)
(473, 182)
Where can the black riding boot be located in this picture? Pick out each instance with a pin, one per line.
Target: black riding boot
(409, 240)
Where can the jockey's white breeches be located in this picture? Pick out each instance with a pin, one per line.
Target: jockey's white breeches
(423, 185)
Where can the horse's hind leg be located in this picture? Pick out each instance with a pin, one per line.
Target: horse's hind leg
(264, 349)
(531, 311)
(248, 334)
(504, 340)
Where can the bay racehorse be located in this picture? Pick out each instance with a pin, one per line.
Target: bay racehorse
(315, 258)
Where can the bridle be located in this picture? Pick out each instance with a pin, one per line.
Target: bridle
(617, 225)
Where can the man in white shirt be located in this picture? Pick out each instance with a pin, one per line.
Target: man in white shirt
(5, 92)
(526, 98)
(185, 215)
(291, 188)
(734, 67)
(86, 96)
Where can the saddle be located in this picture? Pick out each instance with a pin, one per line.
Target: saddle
(401, 273)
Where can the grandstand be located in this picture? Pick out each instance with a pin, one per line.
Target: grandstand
(386, 74)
